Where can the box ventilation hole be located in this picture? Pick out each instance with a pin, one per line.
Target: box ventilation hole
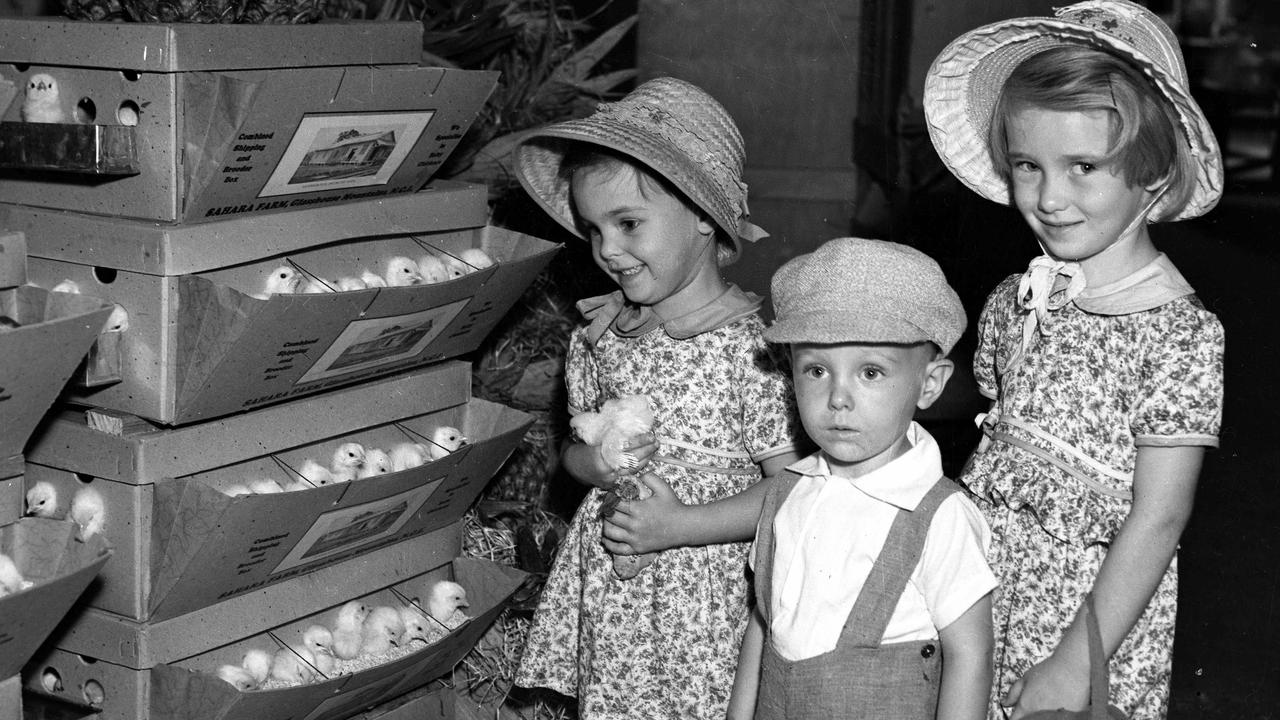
(51, 680)
(94, 693)
(87, 660)
(86, 111)
(105, 275)
(128, 112)
(21, 67)
(130, 75)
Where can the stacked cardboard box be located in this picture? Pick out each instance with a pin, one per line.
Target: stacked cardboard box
(42, 340)
(203, 160)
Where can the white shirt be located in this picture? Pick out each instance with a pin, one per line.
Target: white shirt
(829, 532)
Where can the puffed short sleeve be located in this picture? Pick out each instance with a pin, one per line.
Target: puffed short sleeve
(1179, 400)
(580, 373)
(770, 424)
(991, 321)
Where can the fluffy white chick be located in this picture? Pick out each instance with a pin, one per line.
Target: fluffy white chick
(418, 627)
(382, 630)
(67, 286)
(376, 462)
(348, 630)
(257, 663)
(319, 640)
(347, 284)
(407, 455)
(283, 279)
(264, 486)
(11, 580)
(293, 665)
(42, 103)
(347, 462)
(236, 490)
(475, 257)
(89, 511)
(446, 601)
(372, 279)
(618, 420)
(42, 500)
(444, 440)
(315, 473)
(455, 267)
(431, 269)
(118, 320)
(238, 677)
(315, 286)
(402, 272)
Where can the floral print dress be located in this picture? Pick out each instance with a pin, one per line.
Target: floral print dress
(1055, 480)
(663, 644)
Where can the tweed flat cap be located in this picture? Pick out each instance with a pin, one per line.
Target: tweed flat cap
(859, 290)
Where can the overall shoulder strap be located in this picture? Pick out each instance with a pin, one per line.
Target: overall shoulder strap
(780, 487)
(898, 558)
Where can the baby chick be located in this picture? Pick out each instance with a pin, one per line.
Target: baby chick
(418, 627)
(372, 279)
(238, 677)
(407, 455)
(293, 665)
(67, 286)
(347, 284)
(319, 640)
(376, 462)
(444, 440)
(42, 103)
(348, 630)
(454, 267)
(445, 602)
(118, 320)
(42, 500)
(348, 461)
(476, 258)
(257, 663)
(431, 269)
(315, 286)
(11, 580)
(402, 272)
(89, 511)
(382, 630)
(236, 490)
(315, 473)
(283, 279)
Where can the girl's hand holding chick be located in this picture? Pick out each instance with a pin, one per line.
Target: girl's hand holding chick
(647, 525)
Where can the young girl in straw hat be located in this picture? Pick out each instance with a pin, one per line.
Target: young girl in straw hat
(1104, 368)
(653, 181)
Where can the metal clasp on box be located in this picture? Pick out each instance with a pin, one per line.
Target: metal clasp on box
(103, 150)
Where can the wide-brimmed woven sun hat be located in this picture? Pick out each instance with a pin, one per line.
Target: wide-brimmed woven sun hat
(671, 126)
(965, 80)
(858, 290)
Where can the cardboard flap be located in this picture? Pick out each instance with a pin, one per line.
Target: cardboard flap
(37, 358)
(182, 511)
(215, 107)
(13, 259)
(46, 553)
(180, 694)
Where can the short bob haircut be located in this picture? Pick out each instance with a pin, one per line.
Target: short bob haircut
(1147, 143)
(587, 156)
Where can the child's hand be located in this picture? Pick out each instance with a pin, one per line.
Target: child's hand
(649, 525)
(1048, 685)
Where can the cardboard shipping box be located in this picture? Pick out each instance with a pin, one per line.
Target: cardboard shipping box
(43, 337)
(215, 121)
(59, 566)
(208, 343)
(184, 542)
(187, 688)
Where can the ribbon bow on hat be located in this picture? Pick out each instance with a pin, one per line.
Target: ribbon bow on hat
(1046, 286)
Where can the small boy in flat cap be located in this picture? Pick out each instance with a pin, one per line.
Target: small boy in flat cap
(870, 565)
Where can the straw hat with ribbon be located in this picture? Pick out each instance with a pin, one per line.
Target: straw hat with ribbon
(965, 80)
(671, 126)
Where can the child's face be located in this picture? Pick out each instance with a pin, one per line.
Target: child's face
(1077, 203)
(649, 242)
(857, 400)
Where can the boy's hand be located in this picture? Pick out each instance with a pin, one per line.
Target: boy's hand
(649, 525)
